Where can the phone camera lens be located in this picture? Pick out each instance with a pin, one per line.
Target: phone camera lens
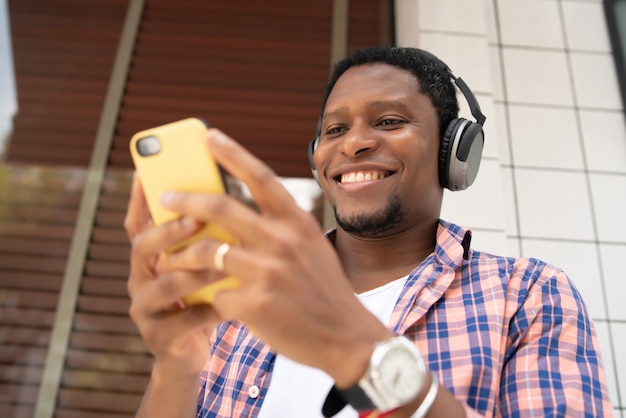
(148, 145)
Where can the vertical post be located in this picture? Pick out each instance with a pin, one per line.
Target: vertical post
(338, 50)
(70, 287)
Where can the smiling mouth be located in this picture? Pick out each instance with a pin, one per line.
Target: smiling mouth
(360, 176)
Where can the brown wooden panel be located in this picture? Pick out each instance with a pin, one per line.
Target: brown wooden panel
(103, 304)
(13, 393)
(104, 323)
(109, 252)
(106, 218)
(108, 268)
(24, 151)
(113, 202)
(104, 361)
(98, 401)
(29, 263)
(113, 382)
(63, 53)
(16, 411)
(73, 413)
(35, 246)
(132, 344)
(263, 63)
(41, 181)
(28, 299)
(41, 195)
(24, 229)
(26, 280)
(109, 236)
(104, 286)
(17, 374)
(26, 212)
(25, 336)
(26, 317)
(369, 24)
(22, 355)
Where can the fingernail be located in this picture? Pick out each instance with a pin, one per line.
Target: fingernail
(218, 138)
(167, 198)
(188, 222)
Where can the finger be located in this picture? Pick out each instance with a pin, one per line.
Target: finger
(137, 215)
(268, 193)
(147, 245)
(170, 288)
(206, 254)
(230, 214)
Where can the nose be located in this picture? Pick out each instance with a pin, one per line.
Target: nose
(360, 139)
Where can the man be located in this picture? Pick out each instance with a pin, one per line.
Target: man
(392, 313)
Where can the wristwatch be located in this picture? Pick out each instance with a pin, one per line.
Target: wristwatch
(395, 376)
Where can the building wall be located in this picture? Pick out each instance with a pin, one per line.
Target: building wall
(552, 183)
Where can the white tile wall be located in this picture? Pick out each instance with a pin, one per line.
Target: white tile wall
(602, 328)
(608, 191)
(603, 137)
(612, 258)
(585, 26)
(553, 204)
(453, 16)
(618, 332)
(545, 137)
(537, 76)
(595, 81)
(510, 200)
(482, 204)
(557, 124)
(530, 23)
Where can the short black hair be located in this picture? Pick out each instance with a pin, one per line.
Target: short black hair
(433, 78)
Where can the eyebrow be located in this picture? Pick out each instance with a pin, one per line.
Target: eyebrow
(375, 105)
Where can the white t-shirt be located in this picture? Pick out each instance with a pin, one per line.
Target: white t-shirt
(297, 390)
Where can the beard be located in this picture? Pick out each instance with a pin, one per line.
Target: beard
(369, 225)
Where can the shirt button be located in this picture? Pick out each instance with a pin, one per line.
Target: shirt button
(254, 391)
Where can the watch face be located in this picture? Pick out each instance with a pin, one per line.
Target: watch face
(401, 374)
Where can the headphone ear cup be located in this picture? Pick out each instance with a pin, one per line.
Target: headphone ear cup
(445, 149)
(464, 153)
(310, 150)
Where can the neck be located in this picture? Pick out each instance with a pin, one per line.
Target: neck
(374, 261)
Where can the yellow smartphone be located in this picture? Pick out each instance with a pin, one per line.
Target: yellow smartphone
(174, 157)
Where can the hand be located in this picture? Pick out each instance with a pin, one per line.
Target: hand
(294, 293)
(177, 337)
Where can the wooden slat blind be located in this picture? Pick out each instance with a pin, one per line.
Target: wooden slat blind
(107, 364)
(37, 208)
(63, 51)
(253, 69)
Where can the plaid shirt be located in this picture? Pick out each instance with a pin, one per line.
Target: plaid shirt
(508, 337)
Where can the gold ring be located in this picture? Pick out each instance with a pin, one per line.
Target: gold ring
(218, 258)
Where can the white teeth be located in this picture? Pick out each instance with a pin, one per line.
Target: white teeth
(361, 176)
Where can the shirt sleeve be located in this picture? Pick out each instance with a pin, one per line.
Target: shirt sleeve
(552, 365)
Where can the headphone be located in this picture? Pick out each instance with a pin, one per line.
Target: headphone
(461, 146)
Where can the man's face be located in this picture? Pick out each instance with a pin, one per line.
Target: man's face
(378, 151)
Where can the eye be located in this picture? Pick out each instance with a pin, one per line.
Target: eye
(390, 122)
(334, 131)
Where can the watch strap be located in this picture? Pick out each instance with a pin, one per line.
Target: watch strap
(334, 403)
(357, 398)
(337, 399)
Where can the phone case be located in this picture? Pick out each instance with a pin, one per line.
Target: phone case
(182, 162)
